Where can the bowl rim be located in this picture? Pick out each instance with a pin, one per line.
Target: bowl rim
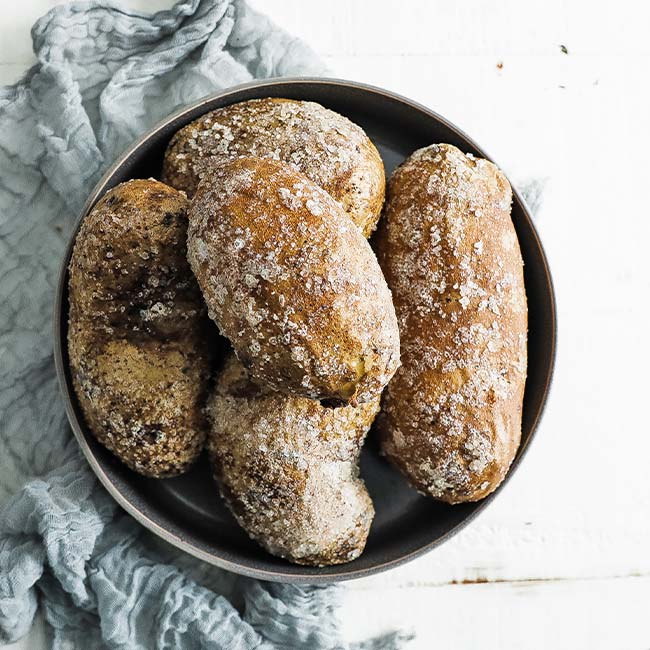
(66, 389)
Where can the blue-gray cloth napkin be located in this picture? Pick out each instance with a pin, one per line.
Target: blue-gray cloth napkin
(104, 75)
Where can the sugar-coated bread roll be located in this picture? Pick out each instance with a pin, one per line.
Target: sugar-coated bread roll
(326, 147)
(451, 416)
(292, 282)
(136, 326)
(288, 468)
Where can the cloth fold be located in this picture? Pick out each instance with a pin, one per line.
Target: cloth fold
(104, 75)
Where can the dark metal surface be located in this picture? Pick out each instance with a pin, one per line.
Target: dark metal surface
(187, 511)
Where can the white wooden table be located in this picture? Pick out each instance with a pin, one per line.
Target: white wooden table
(562, 558)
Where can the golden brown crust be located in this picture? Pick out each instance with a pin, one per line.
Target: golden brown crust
(292, 283)
(142, 400)
(288, 469)
(451, 416)
(135, 326)
(326, 147)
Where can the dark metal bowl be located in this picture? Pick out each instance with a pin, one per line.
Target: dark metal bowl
(187, 511)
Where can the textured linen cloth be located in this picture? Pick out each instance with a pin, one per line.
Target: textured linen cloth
(104, 75)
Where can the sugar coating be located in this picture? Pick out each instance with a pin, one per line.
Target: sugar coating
(292, 283)
(136, 328)
(451, 416)
(329, 149)
(288, 468)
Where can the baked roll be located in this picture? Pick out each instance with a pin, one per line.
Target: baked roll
(288, 469)
(451, 416)
(136, 329)
(292, 283)
(328, 148)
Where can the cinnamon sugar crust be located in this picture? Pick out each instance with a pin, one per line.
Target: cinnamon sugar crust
(292, 283)
(451, 416)
(136, 329)
(288, 468)
(328, 148)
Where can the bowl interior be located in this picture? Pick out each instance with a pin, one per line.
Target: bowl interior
(187, 511)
